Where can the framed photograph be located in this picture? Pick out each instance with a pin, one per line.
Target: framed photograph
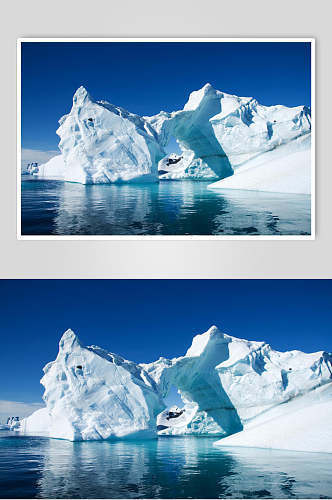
(195, 403)
(174, 138)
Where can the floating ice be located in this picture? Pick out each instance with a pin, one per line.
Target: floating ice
(229, 386)
(217, 133)
(93, 394)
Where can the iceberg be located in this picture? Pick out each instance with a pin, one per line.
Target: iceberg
(102, 143)
(226, 382)
(219, 134)
(54, 168)
(92, 394)
(232, 388)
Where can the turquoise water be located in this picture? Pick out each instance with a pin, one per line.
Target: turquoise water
(32, 467)
(165, 208)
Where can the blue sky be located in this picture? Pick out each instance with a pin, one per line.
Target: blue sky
(147, 77)
(144, 319)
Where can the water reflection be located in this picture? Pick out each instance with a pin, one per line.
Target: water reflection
(179, 468)
(167, 208)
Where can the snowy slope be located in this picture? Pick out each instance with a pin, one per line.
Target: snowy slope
(93, 394)
(302, 424)
(286, 169)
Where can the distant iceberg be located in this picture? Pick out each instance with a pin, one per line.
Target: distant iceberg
(230, 387)
(219, 135)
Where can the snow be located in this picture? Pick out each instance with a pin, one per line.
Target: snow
(286, 169)
(93, 394)
(217, 133)
(224, 131)
(241, 390)
(226, 382)
(302, 424)
(101, 143)
(55, 167)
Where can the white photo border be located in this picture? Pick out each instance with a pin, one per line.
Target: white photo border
(312, 235)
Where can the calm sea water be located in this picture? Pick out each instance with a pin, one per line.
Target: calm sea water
(32, 467)
(165, 208)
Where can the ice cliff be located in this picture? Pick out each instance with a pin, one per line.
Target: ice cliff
(217, 132)
(229, 386)
(102, 143)
(93, 394)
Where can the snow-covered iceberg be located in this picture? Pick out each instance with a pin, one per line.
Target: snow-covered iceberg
(217, 133)
(102, 143)
(229, 386)
(223, 131)
(226, 382)
(93, 394)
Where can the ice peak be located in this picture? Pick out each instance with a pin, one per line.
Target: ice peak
(207, 87)
(68, 340)
(197, 96)
(80, 96)
(200, 342)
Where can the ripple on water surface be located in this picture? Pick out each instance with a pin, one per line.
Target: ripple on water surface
(165, 208)
(163, 468)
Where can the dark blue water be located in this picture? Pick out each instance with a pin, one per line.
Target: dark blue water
(32, 467)
(165, 208)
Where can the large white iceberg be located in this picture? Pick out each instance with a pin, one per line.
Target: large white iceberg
(102, 143)
(216, 132)
(93, 394)
(229, 386)
(224, 131)
(226, 382)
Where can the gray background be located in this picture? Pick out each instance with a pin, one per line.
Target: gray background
(165, 259)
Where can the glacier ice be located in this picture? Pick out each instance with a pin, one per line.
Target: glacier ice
(55, 168)
(101, 143)
(93, 394)
(286, 169)
(232, 388)
(301, 424)
(218, 134)
(226, 382)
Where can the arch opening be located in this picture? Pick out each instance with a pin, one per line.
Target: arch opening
(193, 145)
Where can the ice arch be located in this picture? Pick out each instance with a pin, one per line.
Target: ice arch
(225, 382)
(208, 408)
(192, 128)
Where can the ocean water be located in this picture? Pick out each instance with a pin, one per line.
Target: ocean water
(53, 207)
(167, 467)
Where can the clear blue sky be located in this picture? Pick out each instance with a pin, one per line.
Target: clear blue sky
(147, 77)
(144, 319)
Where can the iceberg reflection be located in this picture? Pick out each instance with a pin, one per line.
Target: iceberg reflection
(164, 208)
(172, 467)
